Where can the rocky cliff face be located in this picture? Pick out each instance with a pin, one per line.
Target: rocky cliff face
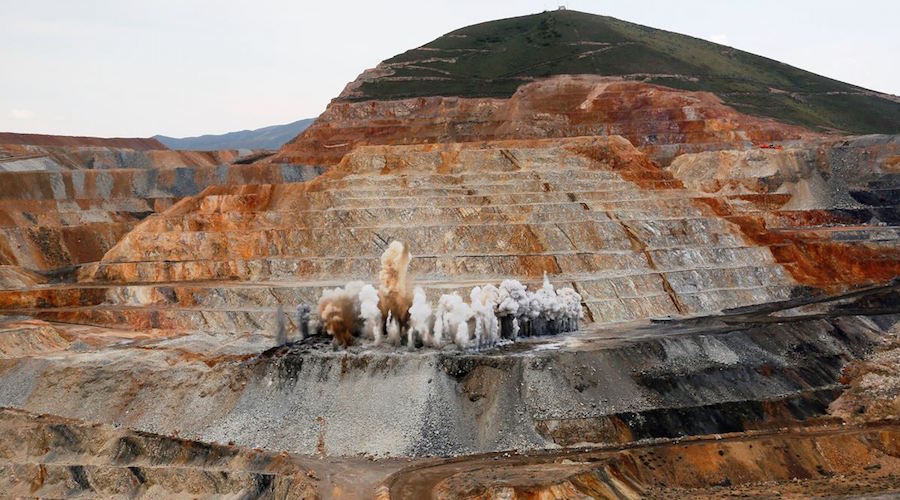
(57, 457)
(594, 213)
(660, 121)
(66, 201)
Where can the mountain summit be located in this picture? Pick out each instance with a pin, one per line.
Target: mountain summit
(495, 58)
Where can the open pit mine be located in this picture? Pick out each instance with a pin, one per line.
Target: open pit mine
(556, 256)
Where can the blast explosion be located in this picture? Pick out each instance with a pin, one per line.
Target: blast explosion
(395, 313)
(394, 297)
(339, 312)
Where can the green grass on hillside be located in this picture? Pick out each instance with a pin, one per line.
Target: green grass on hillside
(492, 59)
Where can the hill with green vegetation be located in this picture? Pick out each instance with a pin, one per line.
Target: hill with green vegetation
(492, 59)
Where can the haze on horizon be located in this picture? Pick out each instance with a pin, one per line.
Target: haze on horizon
(184, 68)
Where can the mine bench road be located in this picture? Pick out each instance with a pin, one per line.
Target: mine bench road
(419, 481)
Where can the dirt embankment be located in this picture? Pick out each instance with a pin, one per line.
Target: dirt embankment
(789, 463)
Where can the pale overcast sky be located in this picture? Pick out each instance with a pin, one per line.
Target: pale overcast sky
(189, 67)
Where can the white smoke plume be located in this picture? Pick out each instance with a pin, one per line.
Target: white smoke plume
(420, 320)
(370, 313)
(533, 310)
(393, 330)
(393, 311)
(484, 302)
(571, 306)
(514, 304)
(437, 338)
(451, 319)
(548, 301)
(462, 335)
(513, 298)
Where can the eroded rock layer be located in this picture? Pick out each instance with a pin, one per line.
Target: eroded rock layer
(661, 121)
(54, 218)
(827, 210)
(28, 158)
(794, 463)
(45, 456)
(42, 140)
(592, 212)
(65, 201)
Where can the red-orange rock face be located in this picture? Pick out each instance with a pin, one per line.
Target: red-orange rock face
(661, 121)
(70, 141)
(66, 201)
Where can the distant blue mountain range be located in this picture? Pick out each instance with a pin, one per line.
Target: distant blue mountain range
(272, 137)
